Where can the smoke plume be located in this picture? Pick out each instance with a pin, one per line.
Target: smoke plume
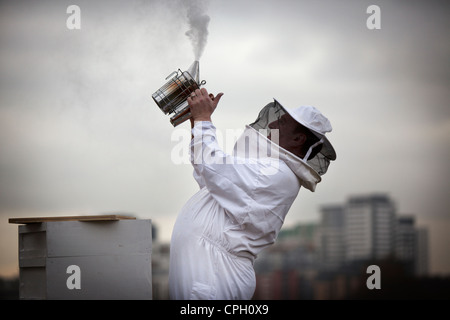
(198, 22)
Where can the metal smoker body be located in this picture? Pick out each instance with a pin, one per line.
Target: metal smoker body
(171, 98)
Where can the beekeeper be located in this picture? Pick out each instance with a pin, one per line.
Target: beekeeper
(244, 197)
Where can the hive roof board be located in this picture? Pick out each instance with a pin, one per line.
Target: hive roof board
(109, 217)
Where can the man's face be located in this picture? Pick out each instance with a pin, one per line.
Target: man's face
(287, 132)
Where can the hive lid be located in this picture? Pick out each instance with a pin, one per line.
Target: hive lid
(109, 217)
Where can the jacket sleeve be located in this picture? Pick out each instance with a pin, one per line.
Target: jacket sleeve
(238, 185)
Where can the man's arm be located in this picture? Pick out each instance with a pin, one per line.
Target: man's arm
(201, 110)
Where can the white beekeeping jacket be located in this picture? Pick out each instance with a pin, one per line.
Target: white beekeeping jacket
(239, 210)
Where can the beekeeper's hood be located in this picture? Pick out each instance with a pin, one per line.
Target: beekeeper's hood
(307, 170)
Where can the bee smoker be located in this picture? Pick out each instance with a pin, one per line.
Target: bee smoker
(171, 98)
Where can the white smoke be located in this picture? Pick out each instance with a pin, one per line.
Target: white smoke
(198, 22)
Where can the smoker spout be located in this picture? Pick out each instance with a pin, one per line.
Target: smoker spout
(194, 71)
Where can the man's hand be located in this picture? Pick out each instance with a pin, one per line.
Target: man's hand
(202, 104)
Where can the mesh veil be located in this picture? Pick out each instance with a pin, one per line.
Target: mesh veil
(273, 112)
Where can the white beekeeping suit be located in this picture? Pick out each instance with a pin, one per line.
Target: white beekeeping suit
(238, 211)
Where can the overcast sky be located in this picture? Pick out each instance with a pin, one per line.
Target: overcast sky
(80, 134)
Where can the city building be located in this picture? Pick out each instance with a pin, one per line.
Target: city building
(332, 237)
(421, 266)
(405, 242)
(160, 267)
(329, 259)
(369, 227)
